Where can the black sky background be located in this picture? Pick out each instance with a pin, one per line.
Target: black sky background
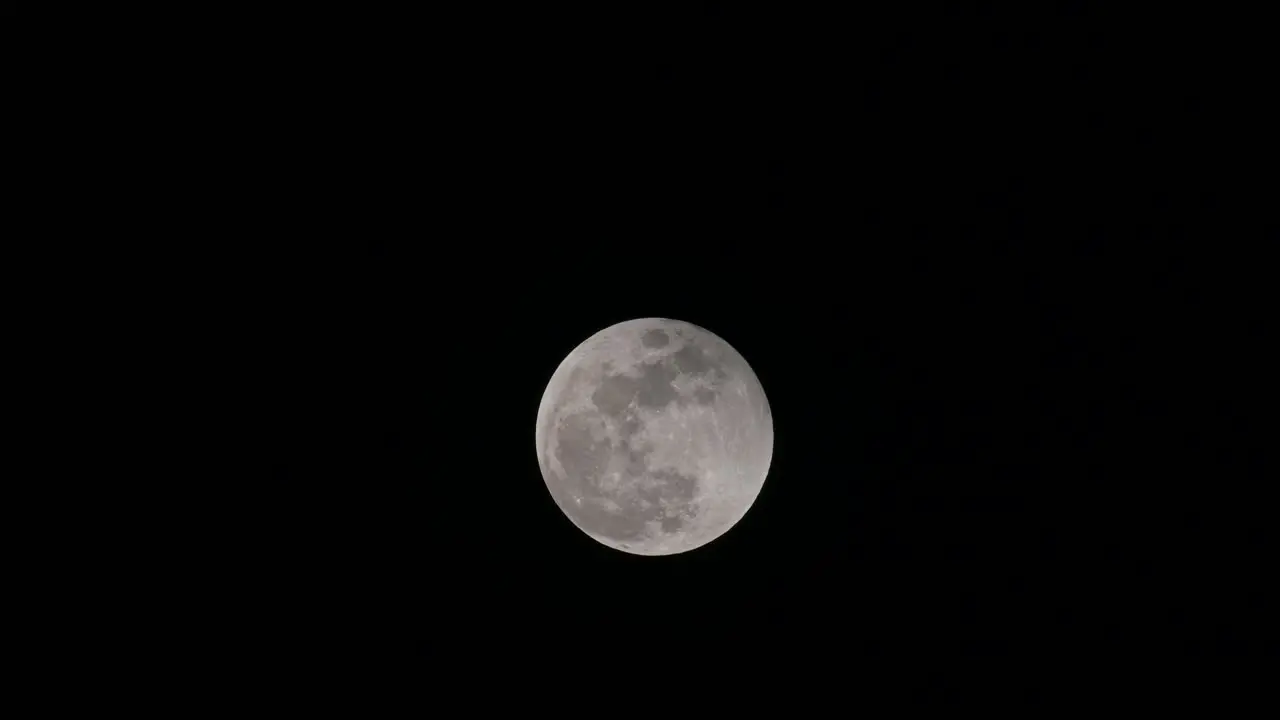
(953, 245)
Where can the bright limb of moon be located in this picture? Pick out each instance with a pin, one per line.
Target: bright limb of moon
(654, 436)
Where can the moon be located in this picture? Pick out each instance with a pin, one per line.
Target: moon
(654, 436)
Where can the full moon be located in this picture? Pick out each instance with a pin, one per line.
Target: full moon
(654, 436)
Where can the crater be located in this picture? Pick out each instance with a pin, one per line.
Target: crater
(628, 426)
(636, 464)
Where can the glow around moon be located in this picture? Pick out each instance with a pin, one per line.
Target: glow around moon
(654, 436)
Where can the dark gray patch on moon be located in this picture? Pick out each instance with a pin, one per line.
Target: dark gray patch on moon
(678, 487)
(690, 360)
(656, 389)
(614, 395)
(653, 389)
(678, 491)
(655, 339)
(694, 361)
(582, 456)
(628, 426)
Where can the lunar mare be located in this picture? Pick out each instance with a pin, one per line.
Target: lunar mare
(654, 436)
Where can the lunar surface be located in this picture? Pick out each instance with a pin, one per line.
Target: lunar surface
(654, 436)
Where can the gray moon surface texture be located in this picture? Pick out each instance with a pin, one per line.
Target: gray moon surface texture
(654, 436)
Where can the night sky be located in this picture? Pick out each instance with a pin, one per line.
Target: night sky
(937, 238)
